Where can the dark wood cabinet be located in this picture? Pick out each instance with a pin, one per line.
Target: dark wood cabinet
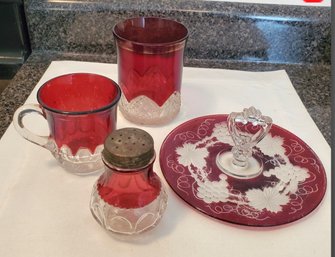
(14, 38)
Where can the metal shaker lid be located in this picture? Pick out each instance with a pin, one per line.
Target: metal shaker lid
(128, 148)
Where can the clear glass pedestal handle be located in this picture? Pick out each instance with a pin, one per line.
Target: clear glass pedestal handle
(246, 128)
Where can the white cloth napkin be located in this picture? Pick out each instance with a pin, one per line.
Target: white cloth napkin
(44, 211)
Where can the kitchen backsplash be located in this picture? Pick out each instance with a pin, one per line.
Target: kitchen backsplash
(217, 30)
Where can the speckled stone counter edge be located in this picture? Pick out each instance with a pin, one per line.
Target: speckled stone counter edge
(215, 7)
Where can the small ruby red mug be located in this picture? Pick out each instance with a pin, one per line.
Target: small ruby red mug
(81, 111)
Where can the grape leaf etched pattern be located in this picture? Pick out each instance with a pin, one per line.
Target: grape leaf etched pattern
(291, 173)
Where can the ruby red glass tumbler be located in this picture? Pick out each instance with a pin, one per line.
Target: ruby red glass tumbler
(150, 53)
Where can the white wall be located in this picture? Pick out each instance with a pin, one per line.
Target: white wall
(282, 2)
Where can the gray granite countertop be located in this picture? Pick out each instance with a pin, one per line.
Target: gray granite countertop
(217, 30)
(312, 82)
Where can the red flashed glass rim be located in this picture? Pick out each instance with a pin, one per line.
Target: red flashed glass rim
(128, 170)
(106, 107)
(171, 43)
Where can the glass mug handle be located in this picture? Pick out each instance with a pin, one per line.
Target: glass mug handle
(22, 130)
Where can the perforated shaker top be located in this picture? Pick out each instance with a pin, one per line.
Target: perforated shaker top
(128, 148)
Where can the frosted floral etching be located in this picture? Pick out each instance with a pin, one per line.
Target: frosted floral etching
(283, 184)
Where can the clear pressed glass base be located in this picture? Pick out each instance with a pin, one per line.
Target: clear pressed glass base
(124, 221)
(143, 110)
(82, 163)
(253, 168)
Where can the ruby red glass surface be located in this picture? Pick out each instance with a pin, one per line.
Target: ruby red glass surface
(133, 189)
(291, 186)
(79, 92)
(150, 57)
(154, 76)
(150, 54)
(80, 109)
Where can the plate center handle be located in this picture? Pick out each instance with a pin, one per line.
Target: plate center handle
(247, 128)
